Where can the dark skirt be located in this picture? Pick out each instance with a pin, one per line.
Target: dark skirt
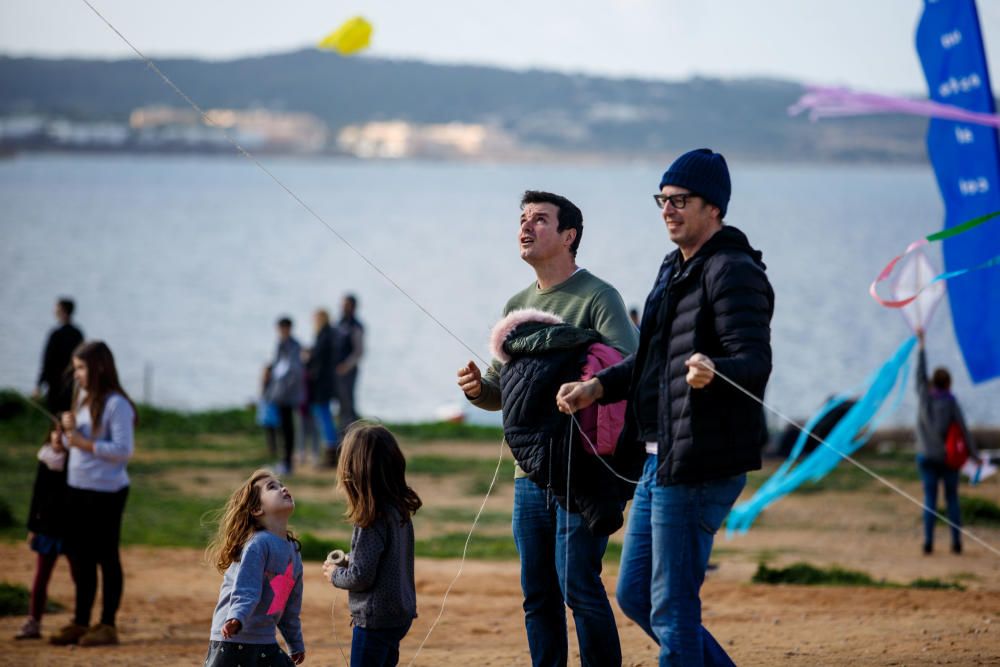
(46, 545)
(231, 654)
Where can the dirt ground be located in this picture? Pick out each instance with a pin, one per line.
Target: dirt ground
(170, 595)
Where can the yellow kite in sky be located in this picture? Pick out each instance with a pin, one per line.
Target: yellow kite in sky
(351, 37)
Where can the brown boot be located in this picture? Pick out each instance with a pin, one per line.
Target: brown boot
(100, 635)
(68, 634)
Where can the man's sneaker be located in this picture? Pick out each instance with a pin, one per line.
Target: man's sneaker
(100, 635)
(31, 629)
(68, 634)
(956, 548)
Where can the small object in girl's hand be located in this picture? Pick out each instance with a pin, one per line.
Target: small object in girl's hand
(338, 558)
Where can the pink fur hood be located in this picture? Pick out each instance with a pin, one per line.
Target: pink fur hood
(513, 320)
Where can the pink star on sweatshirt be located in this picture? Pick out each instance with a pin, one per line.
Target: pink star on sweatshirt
(282, 585)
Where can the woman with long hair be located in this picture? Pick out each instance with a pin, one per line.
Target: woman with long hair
(100, 437)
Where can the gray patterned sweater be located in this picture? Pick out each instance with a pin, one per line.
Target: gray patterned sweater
(379, 577)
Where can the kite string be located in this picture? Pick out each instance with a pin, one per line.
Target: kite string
(860, 465)
(333, 628)
(243, 151)
(208, 121)
(152, 66)
(465, 551)
(808, 433)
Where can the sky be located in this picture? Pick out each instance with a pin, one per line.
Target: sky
(863, 44)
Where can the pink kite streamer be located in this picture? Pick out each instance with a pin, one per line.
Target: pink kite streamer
(828, 102)
(887, 271)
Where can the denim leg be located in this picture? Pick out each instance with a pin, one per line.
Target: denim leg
(534, 527)
(929, 477)
(684, 521)
(376, 647)
(636, 570)
(951, 498)
(579, 576)
(324, 419)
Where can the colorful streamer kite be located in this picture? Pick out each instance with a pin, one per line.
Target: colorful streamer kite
(924, 284)
(850, 433)
(963, 144)
(829, 102)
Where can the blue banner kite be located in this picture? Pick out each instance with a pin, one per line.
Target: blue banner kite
(966, 161)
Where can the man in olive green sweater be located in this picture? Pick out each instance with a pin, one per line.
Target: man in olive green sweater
(549, 235)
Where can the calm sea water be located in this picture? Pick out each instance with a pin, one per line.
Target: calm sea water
(183, 264)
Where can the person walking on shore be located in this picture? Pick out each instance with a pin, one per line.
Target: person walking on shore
(940, 419)
(287, 387)
(351, 347)
(55, 376)
(321, 375)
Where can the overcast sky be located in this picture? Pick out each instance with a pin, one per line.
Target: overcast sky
(865, 44)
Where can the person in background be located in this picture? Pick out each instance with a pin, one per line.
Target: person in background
(100, 437)
(937, 411)
(350, 348)
(268, 417)
(46, 527)
(55, 375)
(633, 314)
(287, 388)
(322, 378)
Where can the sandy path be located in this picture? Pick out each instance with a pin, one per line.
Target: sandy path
(170, 596)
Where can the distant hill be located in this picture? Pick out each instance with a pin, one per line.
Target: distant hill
(562, 113)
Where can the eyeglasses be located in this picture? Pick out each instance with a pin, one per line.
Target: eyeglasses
(677, 201)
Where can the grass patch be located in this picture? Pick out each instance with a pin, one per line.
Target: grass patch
(463, 515)
(479, 471)
(937, 584)
(179, 457)
(979, 511)
(975, 511)
(14, 600)
(6, 515)
(229, 422)
(446, 431)
(316, 548)
(804, 574)
(481, 547)
(485, 547)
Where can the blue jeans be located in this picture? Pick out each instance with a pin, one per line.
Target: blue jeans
(377, 647)
(933, 473)
(324, 420)
(664, 558)
(542, 531)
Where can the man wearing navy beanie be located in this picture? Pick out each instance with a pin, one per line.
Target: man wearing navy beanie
(693, 436)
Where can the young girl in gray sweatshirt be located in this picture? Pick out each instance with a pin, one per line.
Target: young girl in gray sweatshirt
(379, 571)
(262, 583)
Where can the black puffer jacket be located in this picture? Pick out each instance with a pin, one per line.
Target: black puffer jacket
(719, 303)
(47, 515)
(542, 357)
